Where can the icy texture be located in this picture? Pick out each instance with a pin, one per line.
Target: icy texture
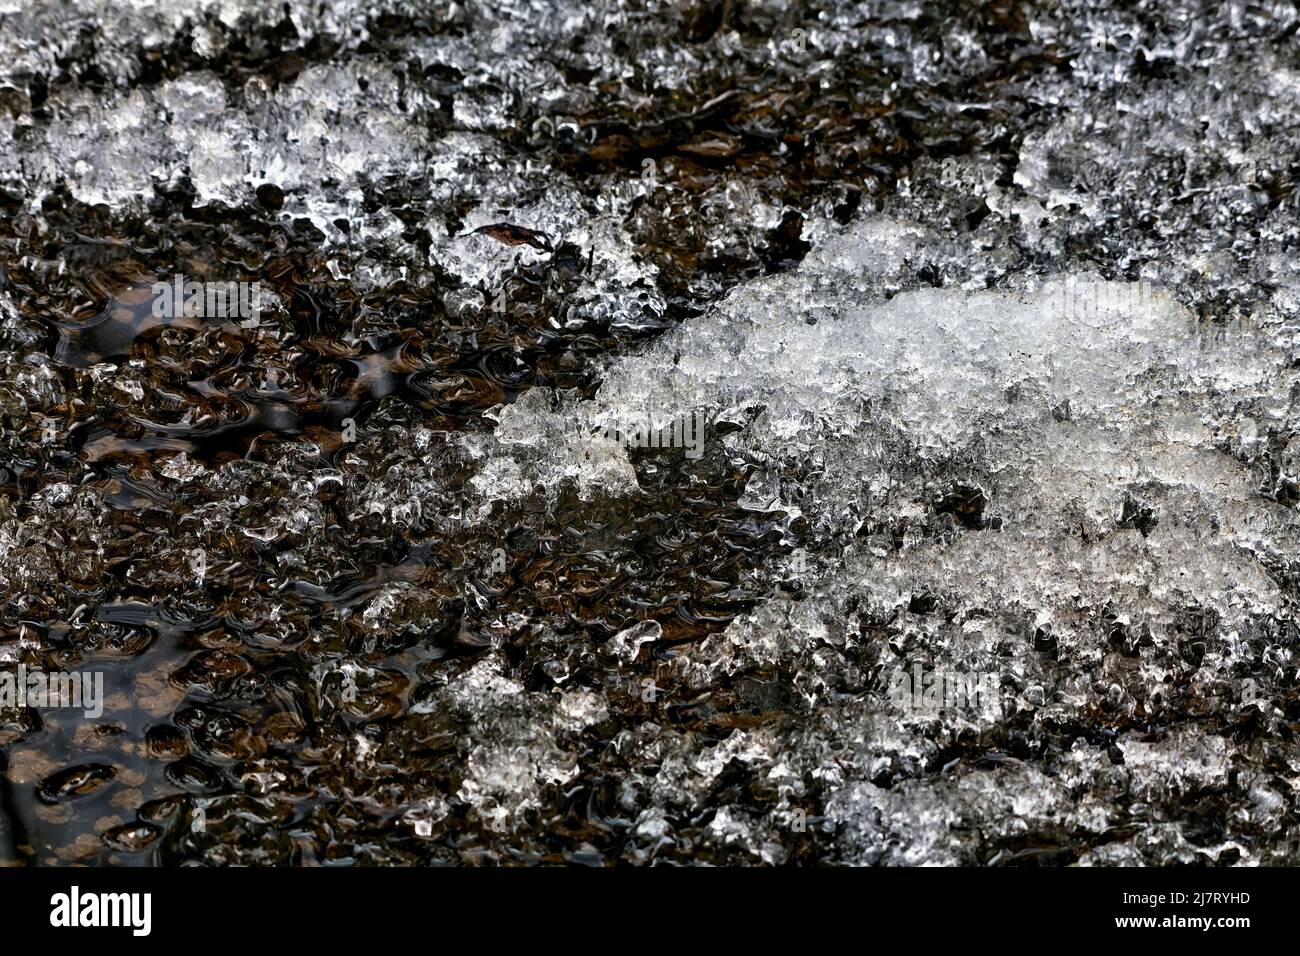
(991, 313)
(1113, 446)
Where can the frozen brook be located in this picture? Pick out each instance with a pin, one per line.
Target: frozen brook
(680, 432)
(1057, 486)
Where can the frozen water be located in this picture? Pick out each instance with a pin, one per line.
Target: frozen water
(1109, 446)
(991, 315)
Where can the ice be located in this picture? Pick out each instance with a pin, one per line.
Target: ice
(992, 319)
(1108, 441)
(510, 761)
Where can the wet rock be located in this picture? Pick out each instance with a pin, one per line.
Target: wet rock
(74, 783)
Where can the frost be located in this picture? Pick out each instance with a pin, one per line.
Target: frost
(1073, 452)
(990, 322)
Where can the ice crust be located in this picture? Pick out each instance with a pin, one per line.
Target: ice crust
(1071, 406)
(1025, 407)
